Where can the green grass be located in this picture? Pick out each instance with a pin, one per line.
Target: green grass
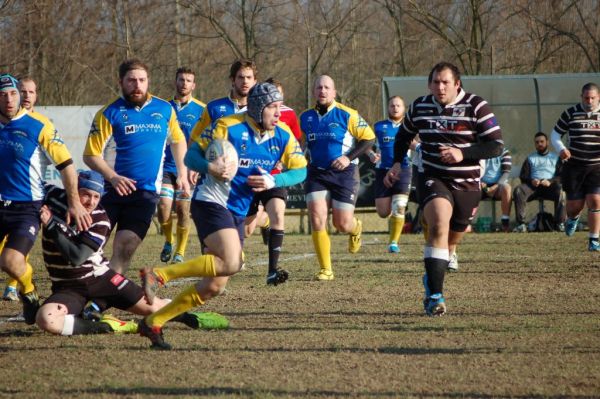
(523, 322)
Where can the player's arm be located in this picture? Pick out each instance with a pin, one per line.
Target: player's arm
(506, 167)
(58, 153)
(559, 146)
(365, 138)
(100, 133)
(200, 126)
(402, 142)
(195, 159)
(489, 136)
(525, 174)
(70, 244)
(179, 148)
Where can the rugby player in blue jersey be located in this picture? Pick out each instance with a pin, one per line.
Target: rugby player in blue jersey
(126, 145)
(221, 200)
(335, 136)
(188, 111)
(26, 141)
(391, 202)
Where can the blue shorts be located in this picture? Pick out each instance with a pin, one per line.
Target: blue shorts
(401, 186)
(20, 222)
(131, 212)
(341, 184)
(210, 217)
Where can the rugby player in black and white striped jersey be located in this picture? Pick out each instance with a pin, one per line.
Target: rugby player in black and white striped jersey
(456, 129)
(79, 271)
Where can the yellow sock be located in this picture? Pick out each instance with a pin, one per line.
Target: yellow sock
(25, 280)
(167, 228)
(267, 223)
(186, 300)
(396, 226)
(356, 228)
(322, 245)
(202, 266)
(11, 282)
(182, 239)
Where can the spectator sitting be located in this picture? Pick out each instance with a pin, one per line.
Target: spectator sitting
(540, 179)
(494, 184)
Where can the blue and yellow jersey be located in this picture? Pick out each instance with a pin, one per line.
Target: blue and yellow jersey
(27, 143)
(132, 139)
(385, 132)
(188, 115)
(213, 111)
(253, 151)
(332, 135)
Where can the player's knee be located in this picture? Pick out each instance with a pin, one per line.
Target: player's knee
(50, 319)
(399, 203)
(231, 264)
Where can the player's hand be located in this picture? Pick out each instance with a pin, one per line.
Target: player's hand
(545, 183)
(535, 182)
(451, 155)
(278, 166)
(192, 177)
(393, 175)
(340, 163)
(565, 154)
(262, 182)
(80, 215)
(45, 215)
(374, 157)
(183, 185)
(222, 168)
(123, 185)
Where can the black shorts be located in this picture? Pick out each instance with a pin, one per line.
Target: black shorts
(265, 196)
(401, 186)
(111, 289)
(580, 180)
(464, 203)
(169, 178)
(130, 212)
(20, 222)
(341, 184)
(210, 217)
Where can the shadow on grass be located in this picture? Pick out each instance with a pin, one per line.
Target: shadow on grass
(245, 392)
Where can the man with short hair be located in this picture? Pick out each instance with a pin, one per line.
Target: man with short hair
(495, 185)
(540, 179)
(28, 90)
(335, 136)
(242, 74)
(188, 110)
(581, 170)
(126, 145)
(457, 129)
(26, 139)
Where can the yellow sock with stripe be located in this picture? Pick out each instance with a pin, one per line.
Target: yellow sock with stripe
(186, 300)
(202, 266)
(167, 228)
(267, 223)
(396, 226)
(11, 282)
(25, 281)
(322, 245)
(357, 227)
(182, 239)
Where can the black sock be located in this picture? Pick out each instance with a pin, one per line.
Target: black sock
(275, 243)
(435, 268)
(81, 326)
(187, 319)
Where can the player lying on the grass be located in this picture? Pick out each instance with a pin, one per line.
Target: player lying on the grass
(79, 271)
(221, 200)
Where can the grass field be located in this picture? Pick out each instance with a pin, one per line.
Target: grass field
(523, 322)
